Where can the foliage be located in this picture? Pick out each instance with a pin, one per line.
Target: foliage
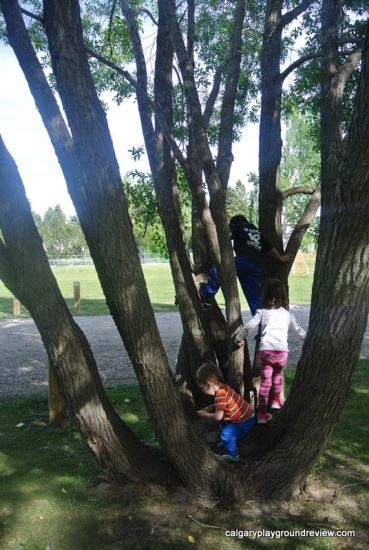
(143, 209)
(213, 30)
(300, 167)
(62, 238)
(303, 94)
(241, 201)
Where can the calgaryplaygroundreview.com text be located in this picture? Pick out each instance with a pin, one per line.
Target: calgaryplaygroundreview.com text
(277, 534)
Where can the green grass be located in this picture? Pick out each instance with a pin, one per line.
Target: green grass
(159, 284)
(51, 492)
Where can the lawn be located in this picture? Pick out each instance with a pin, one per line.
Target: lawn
(53, 494)
(159, 284)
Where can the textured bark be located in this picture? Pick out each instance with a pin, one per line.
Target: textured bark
(217, 195)
(26, 272)
(225, 138)
(57, 402)
(340, 299)
(270, 142)
(285, 453)
(100, 204)
(195, 325)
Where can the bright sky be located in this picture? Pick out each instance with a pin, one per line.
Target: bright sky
(24, 135)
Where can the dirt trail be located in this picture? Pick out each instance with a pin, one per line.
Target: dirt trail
(23, 361)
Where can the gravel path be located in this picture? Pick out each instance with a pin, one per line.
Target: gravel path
(23, 361)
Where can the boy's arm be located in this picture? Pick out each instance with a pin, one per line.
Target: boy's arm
(216, 415)
(209, 408)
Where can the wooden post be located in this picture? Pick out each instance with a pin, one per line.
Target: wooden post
(57, 403)
(77, 296)
(16, 307)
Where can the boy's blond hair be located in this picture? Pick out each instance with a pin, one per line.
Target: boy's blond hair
(209, 372)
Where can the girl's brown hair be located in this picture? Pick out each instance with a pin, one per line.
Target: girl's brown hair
(274, 294)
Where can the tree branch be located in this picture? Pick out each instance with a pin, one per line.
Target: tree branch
(150, 15)
(299, 231)
(142, 88)
(291, 15)
(168, 135)
(298, 63)
(32, 15)
(112, 11)
(209, 105)
(296, 190)
(190, 27)
(224, 155)
(345, 71)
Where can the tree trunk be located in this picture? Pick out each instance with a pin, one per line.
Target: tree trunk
(270, 141)
(340, 299)
(25, 270)
(297, 435)
(57, 402)
(98, 197)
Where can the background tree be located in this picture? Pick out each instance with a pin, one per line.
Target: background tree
(62, 237)
(300, 168)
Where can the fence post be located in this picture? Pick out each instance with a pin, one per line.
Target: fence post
(77, 296)
(16, 307)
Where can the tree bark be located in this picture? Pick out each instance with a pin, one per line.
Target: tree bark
(340, 299)
(25, 270)
(285, 453)
(270, 141)
(105, 222)
(57, 402)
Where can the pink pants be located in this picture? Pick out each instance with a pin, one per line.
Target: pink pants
(271, 366)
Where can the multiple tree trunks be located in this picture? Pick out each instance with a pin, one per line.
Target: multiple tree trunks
(276, 460)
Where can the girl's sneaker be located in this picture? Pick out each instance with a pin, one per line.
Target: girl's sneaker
(276, 405)
(264, 418)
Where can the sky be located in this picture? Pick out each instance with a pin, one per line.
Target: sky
(25, 137)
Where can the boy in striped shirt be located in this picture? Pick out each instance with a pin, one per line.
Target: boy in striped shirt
(233, 412)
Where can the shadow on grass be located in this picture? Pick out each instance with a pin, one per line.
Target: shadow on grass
(48, 490)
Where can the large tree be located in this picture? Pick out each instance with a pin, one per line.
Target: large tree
(85, 152)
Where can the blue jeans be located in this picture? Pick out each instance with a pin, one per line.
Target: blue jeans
(231, 431)
(249, 275)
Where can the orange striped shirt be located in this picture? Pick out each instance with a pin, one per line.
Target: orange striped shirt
(235, 407)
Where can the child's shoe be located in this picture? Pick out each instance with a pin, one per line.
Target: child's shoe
(264, 418)
(230, 458)
(275, 405)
